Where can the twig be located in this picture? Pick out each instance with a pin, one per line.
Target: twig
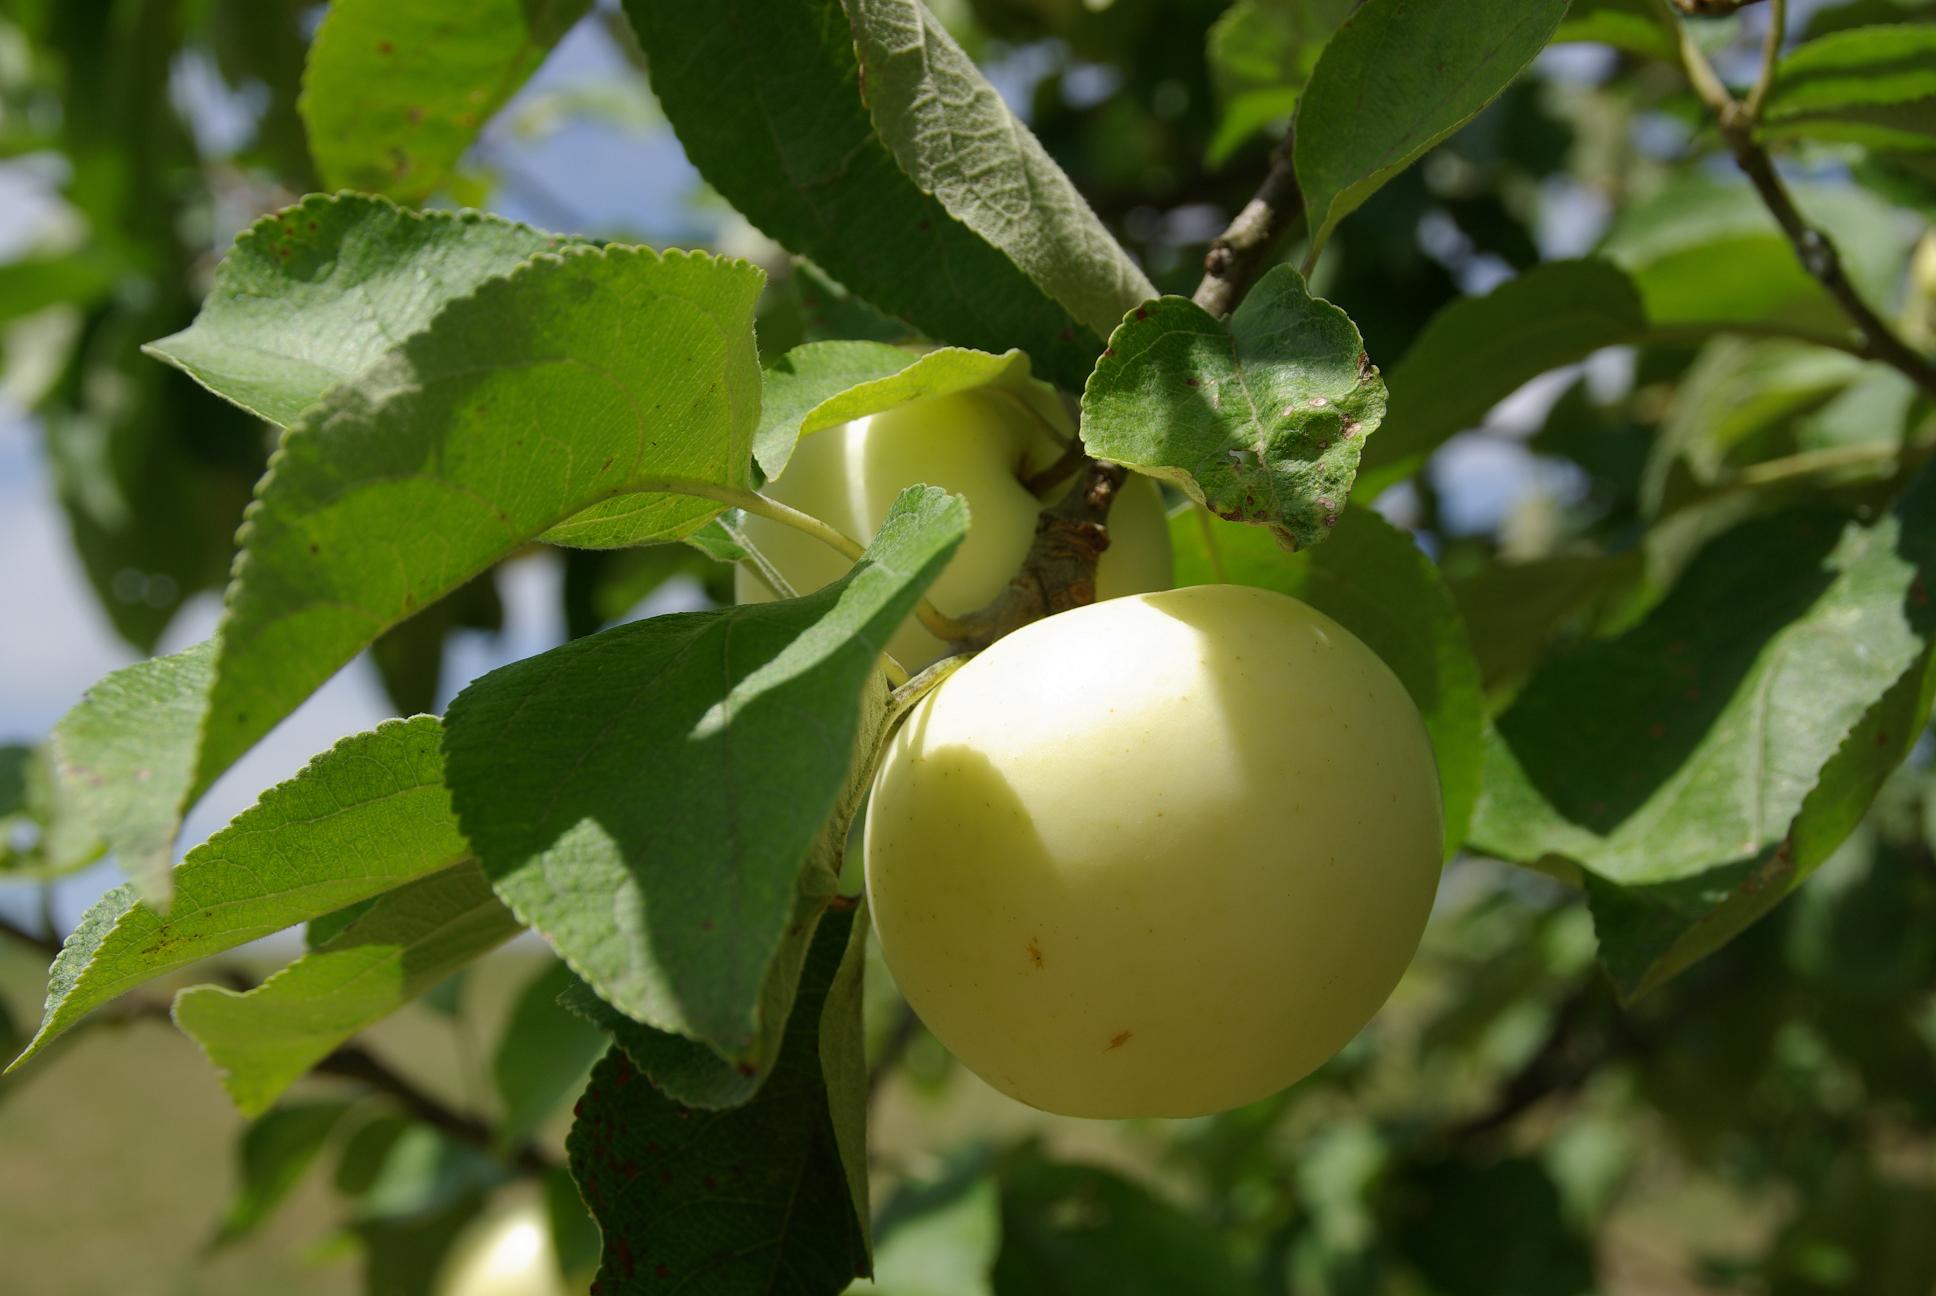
(1237, 255)
(1813, 247)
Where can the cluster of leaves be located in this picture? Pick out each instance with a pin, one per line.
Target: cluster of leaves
(1682, 690)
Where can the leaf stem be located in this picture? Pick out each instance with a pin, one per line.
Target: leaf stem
(937, 623)
(1770, 55)
(1813, 247)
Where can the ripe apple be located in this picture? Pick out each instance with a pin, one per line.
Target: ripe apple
(979, 444)
(1156, 857)
(506, 1254)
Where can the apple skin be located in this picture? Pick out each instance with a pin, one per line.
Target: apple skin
(509, 1253)
(978, 444)
(1160, 856)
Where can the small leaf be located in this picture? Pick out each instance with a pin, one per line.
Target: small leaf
(1260, 418)
(824, 384)
(648, 797)
(1632, 26)
(1671, 763)
(1075, 1228)
(367, 815)
(542, 1056)
(1479, 350)
(275, 1152)
(1874, 86)
(1261, 53)
(318, 292)
(766, 98)
(1377, 584)
(1397, 78)
(735, 1202)
(394, 91)
(413, 938)
(956, 139)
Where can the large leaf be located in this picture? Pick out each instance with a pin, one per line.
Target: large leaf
(317, 293)
(758, 1199)
(1874, 86)
(1671, 762)
(1706, 252)
(823, 384)
(648, 797)
(543, 1054)
(395, 90)
(1479, 350)
(367, 815)
(1261, 53)
(551, 396)
(957, 140)
(1397, 78)
(412, 938)
(1379, 585)
(1259, 418)
(767, 100)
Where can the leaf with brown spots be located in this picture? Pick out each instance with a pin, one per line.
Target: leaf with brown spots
(1260, 418)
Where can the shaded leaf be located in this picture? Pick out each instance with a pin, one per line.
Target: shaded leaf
(1672, 761)
(411, 940)
(394, 91)
(1261, 53)
(767, 100)
(367, 815)
(317, 293)
(274, 1154)
(752, 1200)
(1260, 418)
(1397, 78)
(1068, 1230)
(1375, 582)
(542, 1056)
(648, 797)
(957, 140)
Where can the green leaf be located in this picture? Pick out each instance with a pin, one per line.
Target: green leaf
(753, 1200)
(1259, 418)
(1633, 26)
(1261, 53)
(41, 835)
(1874, 86)
(767, 100)
(543, 404)
(1375, 582)
(1674, 763)
(413, 938)
(685, 1070)
(1706, 252)
(1068, 1229)
(1397, 78)
(824, 384)
(409, 657)
(394, 91)
(956, 139)
(274, 1154)
(367, 815)
(542, 1056)
(648, 797)
(1479, 350)
(78, 278)
(317, 293)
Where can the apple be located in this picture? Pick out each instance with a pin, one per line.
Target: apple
(509, 1253)
(980, 444)
(1160, 856)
